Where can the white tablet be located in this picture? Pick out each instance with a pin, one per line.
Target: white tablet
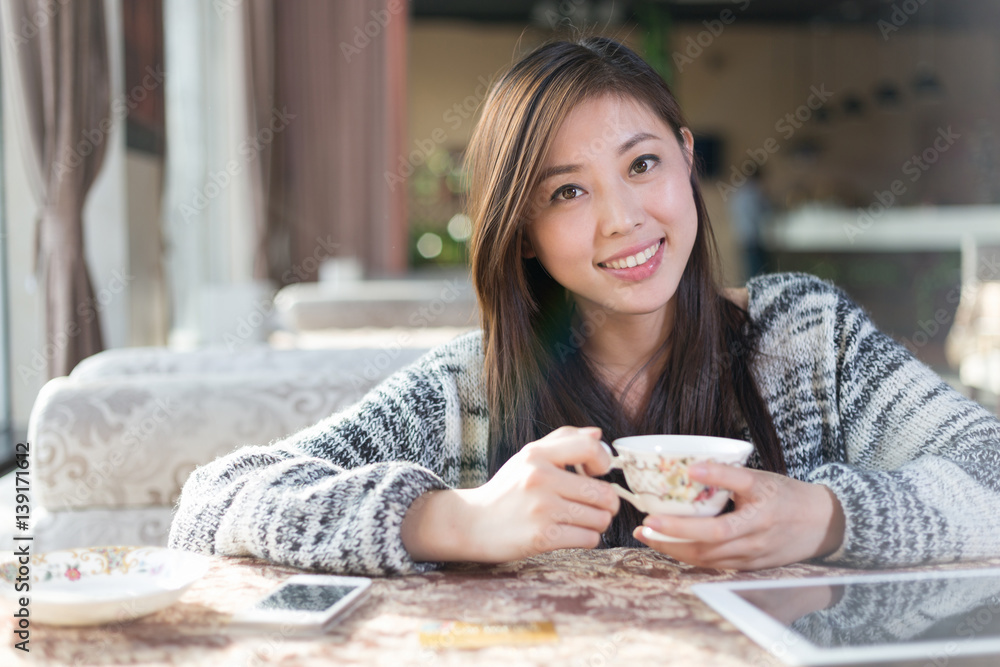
(928, 619)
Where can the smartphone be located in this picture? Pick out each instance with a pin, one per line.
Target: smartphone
(306, 603)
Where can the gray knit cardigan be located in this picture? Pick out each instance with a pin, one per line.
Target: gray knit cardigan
(915, 465)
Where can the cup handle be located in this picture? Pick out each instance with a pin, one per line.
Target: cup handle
(615, 462)
(620, 490)
(625, 494)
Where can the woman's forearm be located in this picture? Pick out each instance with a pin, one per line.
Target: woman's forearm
(433, 527)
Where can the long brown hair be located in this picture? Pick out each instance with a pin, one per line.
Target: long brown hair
(536, 376)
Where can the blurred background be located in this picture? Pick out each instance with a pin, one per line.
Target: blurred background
(252, 172)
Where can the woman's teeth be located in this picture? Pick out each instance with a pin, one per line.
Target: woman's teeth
(634, 260)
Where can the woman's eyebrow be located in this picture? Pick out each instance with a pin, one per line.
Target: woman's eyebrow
(549, 172)
(628, 145)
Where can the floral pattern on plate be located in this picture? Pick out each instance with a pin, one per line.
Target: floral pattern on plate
(102, 584)
(78, 564)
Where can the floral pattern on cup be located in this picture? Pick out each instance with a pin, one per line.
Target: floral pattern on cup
(667, 479)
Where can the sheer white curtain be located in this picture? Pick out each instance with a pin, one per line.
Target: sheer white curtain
(216, 173)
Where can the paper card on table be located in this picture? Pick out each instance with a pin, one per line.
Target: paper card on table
(457, 634)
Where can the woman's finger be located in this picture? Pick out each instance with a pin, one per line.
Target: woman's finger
(584, 490)
(735, 555)
(583, 515)
(737, 479)
(569, 446)
(566, 536)
(722, 528)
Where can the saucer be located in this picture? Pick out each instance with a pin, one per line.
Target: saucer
(651, 534)
(101, 584)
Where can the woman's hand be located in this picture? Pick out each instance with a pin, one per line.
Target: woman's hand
(777, 520)
(532, 505)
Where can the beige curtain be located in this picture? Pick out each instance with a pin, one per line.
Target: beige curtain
(258, 17)
(60, 57)
(341, 70)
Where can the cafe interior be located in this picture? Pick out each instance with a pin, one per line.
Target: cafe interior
(272, 219)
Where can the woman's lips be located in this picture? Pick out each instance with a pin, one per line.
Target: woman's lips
(640, 271)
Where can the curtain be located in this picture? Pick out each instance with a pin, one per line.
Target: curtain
(341, 71)
(258, 49)
(59, 54)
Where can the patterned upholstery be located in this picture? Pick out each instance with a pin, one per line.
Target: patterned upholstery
(113, 442)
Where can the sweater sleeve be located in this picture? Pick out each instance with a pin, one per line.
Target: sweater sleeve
(919, 476)
(333, 496)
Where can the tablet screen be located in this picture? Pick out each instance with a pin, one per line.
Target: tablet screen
(840, 620)
(866, 613)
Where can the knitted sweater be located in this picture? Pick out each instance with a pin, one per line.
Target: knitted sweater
(915, 465)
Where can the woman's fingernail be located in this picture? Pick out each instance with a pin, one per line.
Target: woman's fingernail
(698, 470)
(593, 431)
(655, 524)
(651, 534)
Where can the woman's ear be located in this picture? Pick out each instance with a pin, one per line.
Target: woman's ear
(527, 250)
(688, 148)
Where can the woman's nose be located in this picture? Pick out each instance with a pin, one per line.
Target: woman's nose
(621, 211)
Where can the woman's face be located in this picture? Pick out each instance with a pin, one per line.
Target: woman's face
(613, 219)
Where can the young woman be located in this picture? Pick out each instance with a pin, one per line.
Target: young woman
(593, 261)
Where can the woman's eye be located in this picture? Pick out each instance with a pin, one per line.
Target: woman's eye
(643, 164)
(567, 192)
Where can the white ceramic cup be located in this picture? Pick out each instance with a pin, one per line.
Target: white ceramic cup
(656, 469)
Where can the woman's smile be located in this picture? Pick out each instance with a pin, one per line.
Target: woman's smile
(635, 266)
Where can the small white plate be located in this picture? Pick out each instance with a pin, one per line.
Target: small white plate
(651, 534)
(101, 584)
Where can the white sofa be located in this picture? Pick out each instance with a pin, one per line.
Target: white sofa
(112, 443)
(446, 299)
